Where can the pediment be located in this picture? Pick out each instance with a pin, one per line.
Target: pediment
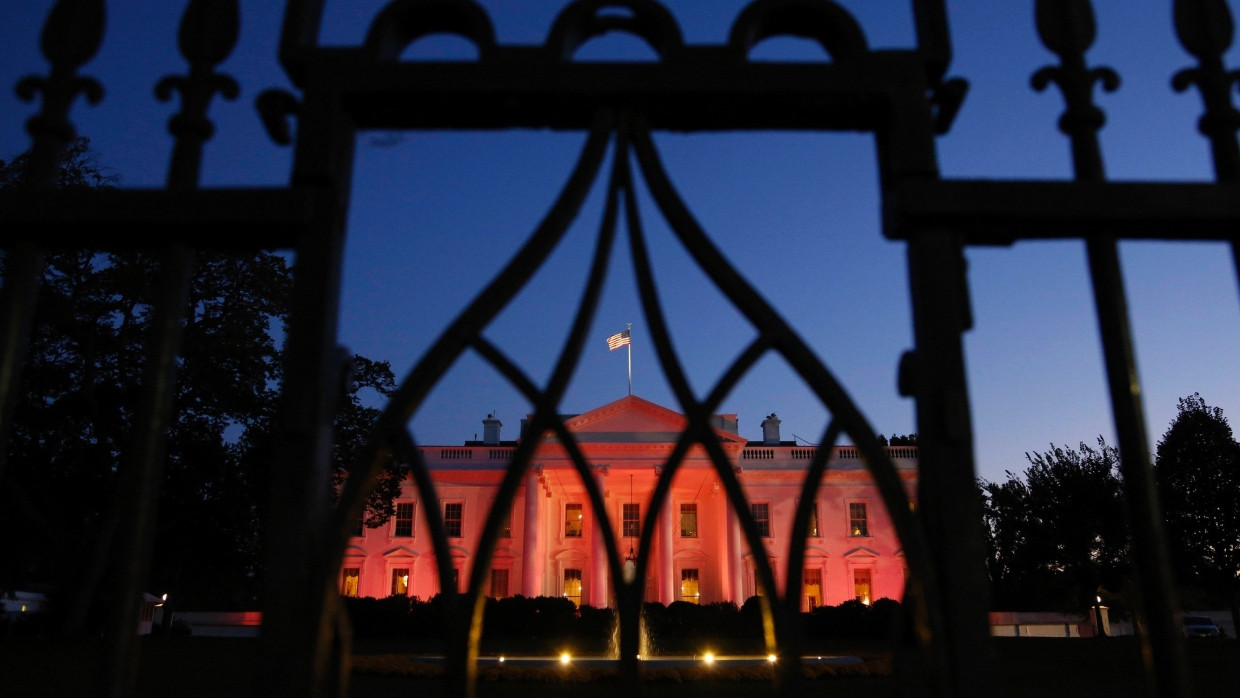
(632, 419)
(815, 552)
(860, 552)
(400, 551)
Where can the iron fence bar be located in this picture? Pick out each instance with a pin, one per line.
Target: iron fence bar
(260, 218)
(934, 373)
(208, 33)
(1067, 28)
(1001, 212)
(300, 628)
(1206, 29)
(518, 87)
(956, 595)
(71, 37)
(933, 37)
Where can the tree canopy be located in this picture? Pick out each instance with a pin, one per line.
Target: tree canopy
(78, 398)
(1198, 473)
(1056, 534)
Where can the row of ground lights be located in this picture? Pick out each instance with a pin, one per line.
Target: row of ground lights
(707, 658)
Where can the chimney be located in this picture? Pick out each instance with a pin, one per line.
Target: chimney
(770, 430)
(490, 430)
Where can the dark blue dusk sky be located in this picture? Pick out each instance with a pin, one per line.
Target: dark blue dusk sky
(435, 215)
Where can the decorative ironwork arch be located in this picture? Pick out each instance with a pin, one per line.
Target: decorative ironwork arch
(773, 335)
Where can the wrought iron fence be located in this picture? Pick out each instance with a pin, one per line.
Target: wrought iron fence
(902, 97)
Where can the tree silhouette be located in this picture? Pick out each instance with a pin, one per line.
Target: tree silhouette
(1198, 473)
(1057, 534)
(78, 400)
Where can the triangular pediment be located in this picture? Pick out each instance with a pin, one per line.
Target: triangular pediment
(400, 551)
(632, 419)
(860, 552)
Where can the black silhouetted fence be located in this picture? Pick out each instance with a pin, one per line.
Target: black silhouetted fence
(901, 96)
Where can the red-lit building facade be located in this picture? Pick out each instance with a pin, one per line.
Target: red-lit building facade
(548, 545)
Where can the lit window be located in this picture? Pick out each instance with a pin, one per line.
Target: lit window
(573, 521)
(404, 519)
(453, 516)
(688, 520)
(632, 514)
(813, 588)
(349, 580)
(499, 584)
(812, 531)
(762, 518)
(505, 525)
(572, 586)
(690, 591)
(400, 581)
(858, 524)
(861, 586)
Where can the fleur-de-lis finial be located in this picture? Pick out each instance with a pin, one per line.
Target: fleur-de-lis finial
(1067, 28)
(1205, 29)
(207, 35)
(71, 37)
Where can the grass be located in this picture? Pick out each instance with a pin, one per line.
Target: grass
(213, 667)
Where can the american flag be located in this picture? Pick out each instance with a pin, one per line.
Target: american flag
(617, 340)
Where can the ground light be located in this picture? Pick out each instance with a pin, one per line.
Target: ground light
(771, 658)
(565, 658)
(709, 658)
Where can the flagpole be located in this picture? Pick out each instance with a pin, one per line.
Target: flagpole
(630, 348)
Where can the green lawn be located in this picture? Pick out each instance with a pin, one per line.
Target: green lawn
(215, 667)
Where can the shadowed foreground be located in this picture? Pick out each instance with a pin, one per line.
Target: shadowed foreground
(212, 667)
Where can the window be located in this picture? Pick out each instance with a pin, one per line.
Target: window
(858, 525)
(404, 519)
(632, 520)
(813, 588)
(499, 583)
(812, 531)
(573, 523)
(688, 520)
(505, 525)
(453, 517)
(689, 589)
(572, 586)
(400, 581)
(349, 580)
(359, 529)
(861, 586)
(762, 518)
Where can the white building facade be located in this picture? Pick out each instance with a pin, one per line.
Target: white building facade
(549, 545)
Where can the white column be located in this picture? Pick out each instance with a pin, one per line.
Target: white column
(530, 553)
(667, 584)
(598, 551)
(734, 565)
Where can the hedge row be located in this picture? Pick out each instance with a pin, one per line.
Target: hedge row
(551, 619)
